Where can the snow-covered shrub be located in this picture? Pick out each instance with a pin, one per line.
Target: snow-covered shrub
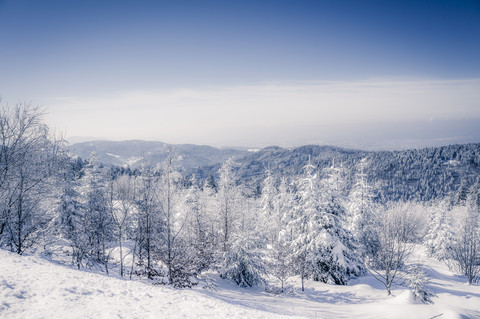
(417, 281)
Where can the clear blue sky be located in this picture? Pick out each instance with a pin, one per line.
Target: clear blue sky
(88, 52)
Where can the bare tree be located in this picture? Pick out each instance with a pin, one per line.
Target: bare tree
(394, 229)
(122, 205)
(28, 158)
(170, 201)
(466, 250)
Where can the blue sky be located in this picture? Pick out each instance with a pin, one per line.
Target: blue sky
(247, 70)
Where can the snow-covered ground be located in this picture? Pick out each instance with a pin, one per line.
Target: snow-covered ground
(33, 287)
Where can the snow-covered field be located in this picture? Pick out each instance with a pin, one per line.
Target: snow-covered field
(33, 287)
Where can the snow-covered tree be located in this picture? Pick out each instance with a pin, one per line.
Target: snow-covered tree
(69, 223)
(228, 201)
(267, 209)
(171, 200)
(122, 202)
(201, 225)
(305, 222)
(338, 259)
(466, 250)
(439, 239)
(393, 250)
(243, 261)
(417, 281)
(362, 221)
(279, 264)
(147, 220)
(28, 162)
(98, 224)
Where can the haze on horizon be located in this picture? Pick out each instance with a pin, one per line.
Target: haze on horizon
(368, 74)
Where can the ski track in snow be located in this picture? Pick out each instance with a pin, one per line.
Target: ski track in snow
(32, 287)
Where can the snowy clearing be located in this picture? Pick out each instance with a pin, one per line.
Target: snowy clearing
(33, 287)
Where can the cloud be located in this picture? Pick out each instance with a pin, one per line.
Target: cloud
(214, 115)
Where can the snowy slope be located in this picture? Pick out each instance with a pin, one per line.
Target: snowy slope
(32, 287)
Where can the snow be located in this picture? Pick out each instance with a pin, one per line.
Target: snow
(31, 287)
(132, 160)
(34, 287)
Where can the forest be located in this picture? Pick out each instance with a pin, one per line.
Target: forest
(327, 222)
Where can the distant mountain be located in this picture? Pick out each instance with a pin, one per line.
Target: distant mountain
(417, 174)
(133, 152)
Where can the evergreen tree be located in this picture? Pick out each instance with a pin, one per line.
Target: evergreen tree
(337, 258)
(303, 224)
(243, 261)
(362, 220)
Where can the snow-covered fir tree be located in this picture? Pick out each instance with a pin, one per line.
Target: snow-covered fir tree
(362, 221)
(303, 225)
(339, 259)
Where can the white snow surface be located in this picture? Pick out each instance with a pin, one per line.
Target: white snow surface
(34, 287)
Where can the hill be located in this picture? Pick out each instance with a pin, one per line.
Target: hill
(133, 152)
(417, 174)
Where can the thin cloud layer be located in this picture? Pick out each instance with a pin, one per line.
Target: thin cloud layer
(230, 115)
